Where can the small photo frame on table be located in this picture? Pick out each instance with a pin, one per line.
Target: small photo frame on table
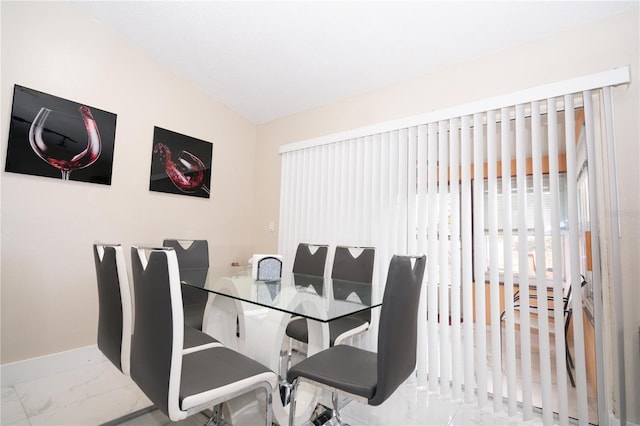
(54, 137)
(180, 164)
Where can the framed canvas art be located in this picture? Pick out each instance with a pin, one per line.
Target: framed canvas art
(54, 137)
(180, 164)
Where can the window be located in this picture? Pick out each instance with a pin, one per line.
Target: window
(530, 203)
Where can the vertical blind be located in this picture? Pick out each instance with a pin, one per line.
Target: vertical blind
(483, 190)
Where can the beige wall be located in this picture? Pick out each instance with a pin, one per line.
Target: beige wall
(49, 297)
(592, 48)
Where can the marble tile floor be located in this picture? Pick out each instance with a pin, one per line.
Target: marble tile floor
(98, 393)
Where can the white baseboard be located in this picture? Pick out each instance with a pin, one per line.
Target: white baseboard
(35, 368)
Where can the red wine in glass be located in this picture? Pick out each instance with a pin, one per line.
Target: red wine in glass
(59, 149)
(186, 172)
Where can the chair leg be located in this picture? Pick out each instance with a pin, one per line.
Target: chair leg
(569, 358)
(286, 395)
(289, 353)
(284, 389)
(269, 408)
(292, 404)
(566, 339)
(570, 374)
(336, 410)
(216, 416)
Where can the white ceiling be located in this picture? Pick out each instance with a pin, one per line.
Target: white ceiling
(267, 59)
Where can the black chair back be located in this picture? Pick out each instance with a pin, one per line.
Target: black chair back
(193, 263)
(307, 262)
(114, 305)
(157, 337)
(398, 328)
(349, 268)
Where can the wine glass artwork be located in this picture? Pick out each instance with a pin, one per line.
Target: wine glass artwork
(180, 164)
(186, 172)
(57, 138)
(61, 151)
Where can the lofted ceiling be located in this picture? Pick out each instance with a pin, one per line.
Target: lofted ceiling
(270, 59)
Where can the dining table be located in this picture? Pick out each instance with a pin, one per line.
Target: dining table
(251, 316)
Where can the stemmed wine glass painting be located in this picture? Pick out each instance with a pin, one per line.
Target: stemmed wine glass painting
(180, 164)
(60, 151)
(186, 172)
(54, 137)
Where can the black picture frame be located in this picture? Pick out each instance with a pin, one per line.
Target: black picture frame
(54, 137)
(180, 164)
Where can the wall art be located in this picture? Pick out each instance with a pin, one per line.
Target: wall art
(180, 164)
(54, 137)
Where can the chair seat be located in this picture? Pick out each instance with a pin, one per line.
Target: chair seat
(298, 330)
(352, 370)
(218, 371)
(194, 338)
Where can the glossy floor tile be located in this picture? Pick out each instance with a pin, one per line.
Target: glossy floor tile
(12, 412)
(99, 393)
(87, 395)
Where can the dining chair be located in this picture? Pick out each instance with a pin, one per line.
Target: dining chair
(115, 309)
(368, 376)
(193, 261)
(567, 309)
(308, 271)
(114, 305)
(350, 265)
(178, 383)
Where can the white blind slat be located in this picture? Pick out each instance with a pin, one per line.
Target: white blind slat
(479, 258)
(558, 293)
(576, 298)
(617, 273)
(510, 343)
(456, 294)
(432, 254)
(523, 261)
(443, 279)
(402, 191)
(494, 278)
(572, 196)
(542, 312)
(467, 261)
(423, 357)
(412, 182)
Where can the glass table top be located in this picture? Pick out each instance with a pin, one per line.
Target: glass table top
(316, 298)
